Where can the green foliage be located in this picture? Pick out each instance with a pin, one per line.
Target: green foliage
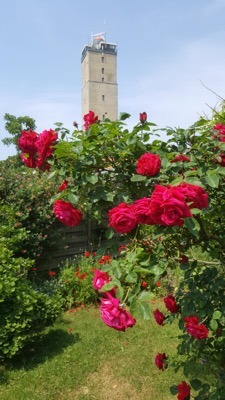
(29, 192)
(76, 281)
(14, 126)
(24, 310)
(101, 167)
(100, 175)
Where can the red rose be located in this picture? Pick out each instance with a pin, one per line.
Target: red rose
(27, 142)
(184, 259)
(90, 119)
(180, 158)
(221, 131)
(195, 195)
(160, 359)
(51, 273)
(141, 208)
(171, 304)
(29, 161)
(148, 164)
(67, 213)
(198, 331)
(44, 144)
(122, 218)
(184, 391)
(114, 315)
(144, 284)
(63, 186)
(100, 278)
(143, 117)
(159, 317)
(168, 206)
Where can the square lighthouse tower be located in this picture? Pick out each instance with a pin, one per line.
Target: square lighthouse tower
(99, 78)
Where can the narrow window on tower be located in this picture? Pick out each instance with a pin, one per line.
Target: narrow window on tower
(103, 71)
(102, 79)
(103, 97)
(103, 117)
(103, 59)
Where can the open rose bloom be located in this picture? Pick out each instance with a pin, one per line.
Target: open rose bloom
(148, 164)
(36, 149)
(184, 391)
(114, 315)
(66, 213)
(100, 279)
(171, 304)
(196, 329)
(122, 218)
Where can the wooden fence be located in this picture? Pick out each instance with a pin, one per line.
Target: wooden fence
(73, 241)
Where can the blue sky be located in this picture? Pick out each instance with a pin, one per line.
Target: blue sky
(165, 48)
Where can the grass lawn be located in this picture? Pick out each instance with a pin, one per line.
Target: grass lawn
(80, 358)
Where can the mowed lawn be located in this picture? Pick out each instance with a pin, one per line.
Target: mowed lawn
(80, 358)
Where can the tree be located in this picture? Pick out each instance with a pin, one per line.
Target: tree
(14, 126)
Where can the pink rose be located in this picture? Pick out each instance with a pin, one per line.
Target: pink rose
(114, 315)
(143, 117)
(159, 317)
(141, 208)
(198, 331)
(171, 304)
(67, 213)
(180, 158)
(63, 186)
(100, 278)
(122, 218)
(160, 361)
(195, 195)
(184, 391)
(148, 164)
(168, 206)
(27, 142)
(90, 119)
(221, 131)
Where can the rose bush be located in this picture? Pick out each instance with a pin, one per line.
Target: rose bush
(179, 210)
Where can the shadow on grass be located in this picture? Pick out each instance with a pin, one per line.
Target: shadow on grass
(43, 348)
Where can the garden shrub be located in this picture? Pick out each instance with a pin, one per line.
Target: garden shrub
(171, 193)
(24, 309)
(29, 192)
(76, 279)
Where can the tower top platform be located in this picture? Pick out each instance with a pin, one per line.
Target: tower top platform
(99, 45)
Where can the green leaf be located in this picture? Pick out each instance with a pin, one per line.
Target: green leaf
(196, 384)
(221, 170)
(146, 296)
(141, 309)
(107, 196)
(131, 277)
(173, 390)
(213, 324)
(124, 115)
(217, 314)
(192, 225)
(212, 179)
(138, 178)
(110, 285)
(73, 198)
(50, 176)
(120, 292)
(156, 270)
(93, 179)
